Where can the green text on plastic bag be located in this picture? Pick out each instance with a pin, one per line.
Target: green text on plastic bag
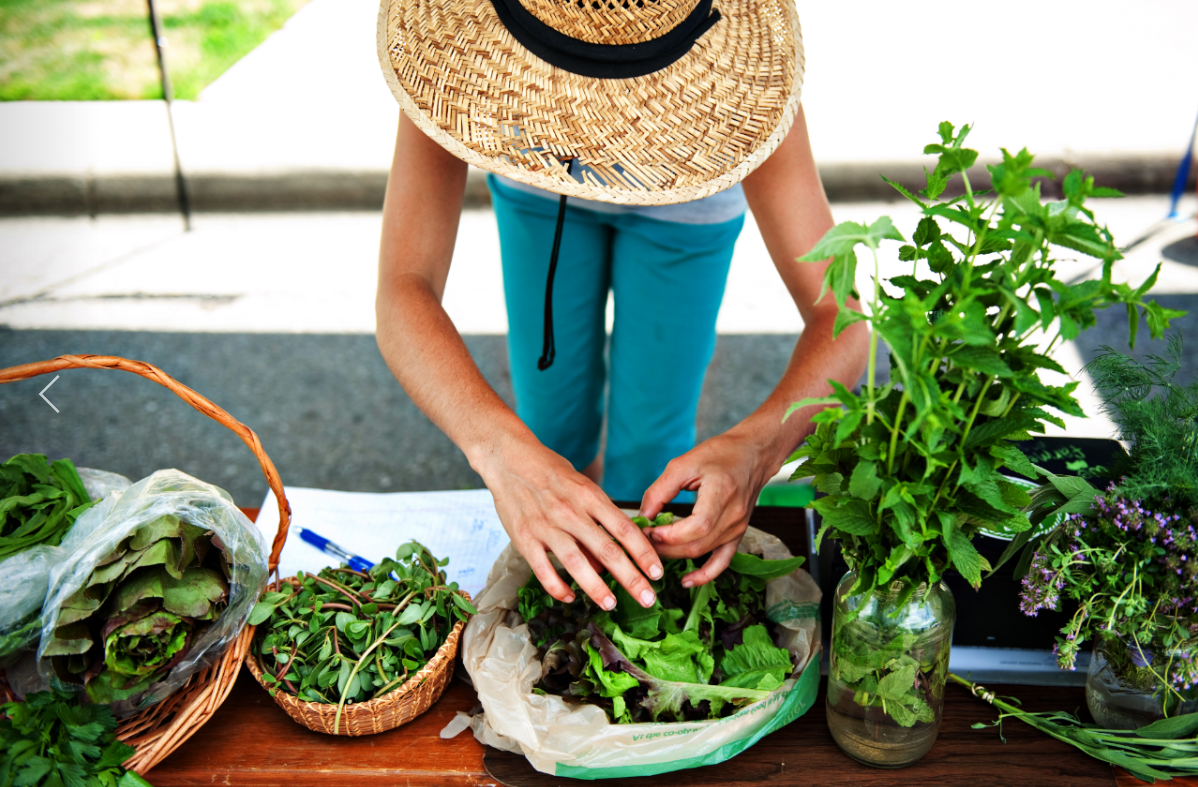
(798, 701)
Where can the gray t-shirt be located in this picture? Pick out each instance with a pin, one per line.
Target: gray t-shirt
(716, 209)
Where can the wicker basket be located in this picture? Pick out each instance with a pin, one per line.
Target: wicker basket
(412, 698)
(160, 729)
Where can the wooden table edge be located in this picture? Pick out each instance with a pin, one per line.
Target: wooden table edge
(1121, 777)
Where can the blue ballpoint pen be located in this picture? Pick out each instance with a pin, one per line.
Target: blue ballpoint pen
(329, 548)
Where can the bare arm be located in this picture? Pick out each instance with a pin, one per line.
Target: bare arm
(728, 471)
(544, 505)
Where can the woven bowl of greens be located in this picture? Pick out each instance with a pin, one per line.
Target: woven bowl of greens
(350, 653)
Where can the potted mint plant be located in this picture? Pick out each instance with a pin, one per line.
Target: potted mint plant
(1128, 554)
(911, 470)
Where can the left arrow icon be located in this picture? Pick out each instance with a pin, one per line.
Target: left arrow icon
(47, 388)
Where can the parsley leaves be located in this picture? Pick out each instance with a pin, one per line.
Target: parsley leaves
(50, 740)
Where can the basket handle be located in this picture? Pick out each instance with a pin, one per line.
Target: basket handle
(153, 373)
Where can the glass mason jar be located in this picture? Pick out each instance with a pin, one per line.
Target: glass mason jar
(889, 663)
(1123, 687)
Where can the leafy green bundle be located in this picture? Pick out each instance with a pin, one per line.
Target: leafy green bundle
(342, 636)
(16, 640)
(143, 607)
(50, 740)
(1128, 555)
(697, 653)
(912, 470)
(38, 502)
(885, 664)
(1158, 418)
(1165, 749)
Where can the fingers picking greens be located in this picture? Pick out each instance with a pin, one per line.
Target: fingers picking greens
(697, 653)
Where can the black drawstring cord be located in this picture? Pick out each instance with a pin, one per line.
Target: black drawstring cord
(548, 351)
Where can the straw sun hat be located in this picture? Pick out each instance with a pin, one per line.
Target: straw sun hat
(639, 102)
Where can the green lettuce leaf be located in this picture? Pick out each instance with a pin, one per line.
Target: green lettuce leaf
(753, 566)
(756, 663)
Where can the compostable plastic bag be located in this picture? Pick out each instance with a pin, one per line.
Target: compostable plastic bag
(187, 641)
(576, 739)
(25, 575)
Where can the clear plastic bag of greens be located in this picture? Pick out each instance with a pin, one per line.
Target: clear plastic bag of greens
(150, 591)
(578, 740)
(26, 574)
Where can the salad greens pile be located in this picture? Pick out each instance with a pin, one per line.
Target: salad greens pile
(38, 502)
(140, 611)
(697, 653)
(342, 636)
(51, 740)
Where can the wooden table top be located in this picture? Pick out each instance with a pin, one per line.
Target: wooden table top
(250, 741)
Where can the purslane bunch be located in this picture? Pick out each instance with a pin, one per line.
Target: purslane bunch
(912, 469)
(697, 653)
(343, 636)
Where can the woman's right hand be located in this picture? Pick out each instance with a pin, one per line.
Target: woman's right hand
(547, 507)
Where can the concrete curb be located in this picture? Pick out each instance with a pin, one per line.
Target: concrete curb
(298, 190)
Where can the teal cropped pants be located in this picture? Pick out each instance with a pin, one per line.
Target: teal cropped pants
(667, 280)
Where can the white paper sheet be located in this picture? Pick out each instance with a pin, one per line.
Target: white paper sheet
(462, 526)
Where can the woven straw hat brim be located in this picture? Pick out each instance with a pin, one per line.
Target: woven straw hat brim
(687, 131)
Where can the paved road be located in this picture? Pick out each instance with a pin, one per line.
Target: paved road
(269, 316)
(326, 407)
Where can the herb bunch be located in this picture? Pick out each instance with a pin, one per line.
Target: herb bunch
(1134, 576)
(50, 740)
(889, 661)
(141, 610)
(911, 469)
(1129, 555)
(1158, 418)
(1166, 749)
(39, 502)
(343, 636)
(697, 653)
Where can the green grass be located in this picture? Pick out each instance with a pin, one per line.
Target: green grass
(81, 50)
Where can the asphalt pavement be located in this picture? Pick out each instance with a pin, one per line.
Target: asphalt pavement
(326, 407)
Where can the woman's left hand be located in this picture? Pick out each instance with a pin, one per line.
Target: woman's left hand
(728, 473)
